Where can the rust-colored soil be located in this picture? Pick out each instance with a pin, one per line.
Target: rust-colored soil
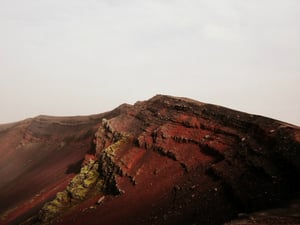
(163, 161)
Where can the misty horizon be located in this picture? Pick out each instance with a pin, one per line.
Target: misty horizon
(67, 58)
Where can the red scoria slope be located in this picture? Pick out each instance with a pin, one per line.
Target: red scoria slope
(163, 161)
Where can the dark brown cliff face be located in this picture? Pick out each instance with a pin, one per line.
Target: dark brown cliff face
(163, 161)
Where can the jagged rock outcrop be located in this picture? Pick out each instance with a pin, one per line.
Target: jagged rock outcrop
(175, 161)
(39, 157)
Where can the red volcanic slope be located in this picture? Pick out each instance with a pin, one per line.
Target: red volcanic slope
(163, 161)
(38, 157)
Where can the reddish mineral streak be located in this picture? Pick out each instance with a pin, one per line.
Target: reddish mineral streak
(167, 160)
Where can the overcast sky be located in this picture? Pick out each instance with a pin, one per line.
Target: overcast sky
(76, 57)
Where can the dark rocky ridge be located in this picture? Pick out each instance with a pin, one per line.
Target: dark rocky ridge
(163, 161)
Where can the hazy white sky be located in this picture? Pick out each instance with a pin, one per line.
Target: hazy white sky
(74, 57)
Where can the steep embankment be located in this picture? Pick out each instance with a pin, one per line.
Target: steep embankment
(39, 157)
(167, 161)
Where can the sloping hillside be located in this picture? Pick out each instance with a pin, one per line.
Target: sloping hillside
(167, 160)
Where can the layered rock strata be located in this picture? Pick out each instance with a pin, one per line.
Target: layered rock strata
(173, 160)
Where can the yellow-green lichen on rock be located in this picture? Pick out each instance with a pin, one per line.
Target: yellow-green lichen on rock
(51, 209)
(109, 167)
(112, 149)
(78, 189)
(94, 177)
(82, 183)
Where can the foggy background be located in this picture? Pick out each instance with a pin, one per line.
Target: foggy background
(75, 57)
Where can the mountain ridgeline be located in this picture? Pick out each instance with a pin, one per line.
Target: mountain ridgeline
(167, 160)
